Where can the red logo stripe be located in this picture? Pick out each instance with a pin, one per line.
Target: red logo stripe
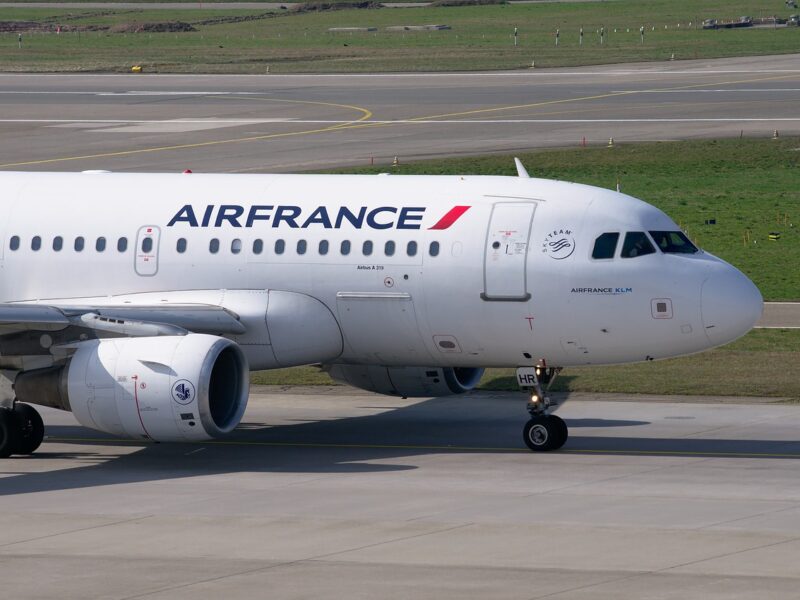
(451, 217)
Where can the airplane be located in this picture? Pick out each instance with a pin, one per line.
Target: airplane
(140, 302)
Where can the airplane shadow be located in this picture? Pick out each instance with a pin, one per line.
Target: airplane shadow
(364, 444)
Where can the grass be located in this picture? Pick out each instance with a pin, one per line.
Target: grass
(763, 363)
(481, 38)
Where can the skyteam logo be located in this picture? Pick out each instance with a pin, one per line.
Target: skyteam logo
(559, 244)
(321, 217)
(183, 392)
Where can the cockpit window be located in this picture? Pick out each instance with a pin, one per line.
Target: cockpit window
(673, 242)
(605, 245)
(636, 244)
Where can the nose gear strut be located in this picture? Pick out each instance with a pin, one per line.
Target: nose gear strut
(543, 431)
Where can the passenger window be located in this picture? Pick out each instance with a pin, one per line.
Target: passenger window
(58, 243)
(673, 242)
(323, 247)
(79, 243)
(236, 246)
(258, 246)
(605, 246)
(122, 244)
(301, 246)
(411, 248)
(636, 244)
(280, 246)
(181, 246)
(366, 248)
(388, 248)
(433, 250)
(36, 243)
(213, 246)
(345, 247)
(147, 245)
(100, 244)
(14, 242)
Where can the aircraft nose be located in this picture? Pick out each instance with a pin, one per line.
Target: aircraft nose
(731, 305)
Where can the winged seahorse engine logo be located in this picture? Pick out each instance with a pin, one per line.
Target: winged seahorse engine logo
(183, 391)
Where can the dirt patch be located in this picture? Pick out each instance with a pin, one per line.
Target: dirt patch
(166, 27)
(466, 2)
(326, 6)
(47, 27)
(23, 26)
(236, 19)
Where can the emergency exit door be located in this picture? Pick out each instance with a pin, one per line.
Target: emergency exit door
(146, 251)
(506, 257)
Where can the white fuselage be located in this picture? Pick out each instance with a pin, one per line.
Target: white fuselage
(538, 294)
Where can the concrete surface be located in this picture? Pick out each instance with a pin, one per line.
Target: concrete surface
(780, 315)
(352, 495)
(283, 123)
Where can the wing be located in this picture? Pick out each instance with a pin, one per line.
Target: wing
(124, 320)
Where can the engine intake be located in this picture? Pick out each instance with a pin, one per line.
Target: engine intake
(169, 388)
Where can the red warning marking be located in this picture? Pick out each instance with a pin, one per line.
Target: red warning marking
(451, 217)
(136, 400)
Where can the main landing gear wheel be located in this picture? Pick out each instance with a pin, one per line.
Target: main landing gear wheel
(8, 432)
(30, 429)
(545, 432)
(21, 430)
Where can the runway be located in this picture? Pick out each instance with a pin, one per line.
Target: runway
(329, 493)
(286, 123)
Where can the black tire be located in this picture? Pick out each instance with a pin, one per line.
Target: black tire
(562, 431)
(30, 429)
(8, 433)
(545, 433)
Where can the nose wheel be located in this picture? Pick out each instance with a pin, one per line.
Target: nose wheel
(545, 432)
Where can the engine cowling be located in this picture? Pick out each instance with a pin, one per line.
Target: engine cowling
(166, 388)
(408, 382)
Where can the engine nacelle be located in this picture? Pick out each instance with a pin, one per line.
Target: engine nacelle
(408, 382)
(167, 388)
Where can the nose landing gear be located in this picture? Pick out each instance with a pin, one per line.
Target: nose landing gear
(543, 431)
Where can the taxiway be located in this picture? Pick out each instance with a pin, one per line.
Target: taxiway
(332, 493)
(284, 123)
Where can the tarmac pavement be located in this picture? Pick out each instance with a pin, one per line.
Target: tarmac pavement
(335, 494)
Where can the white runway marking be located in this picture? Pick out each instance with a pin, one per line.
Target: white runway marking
(125, 93)
(706, 91)
(528, 73)
(127, 124)
(161, 126)
(91, 122)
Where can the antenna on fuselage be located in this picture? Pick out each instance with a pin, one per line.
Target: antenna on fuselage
(521, 172)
